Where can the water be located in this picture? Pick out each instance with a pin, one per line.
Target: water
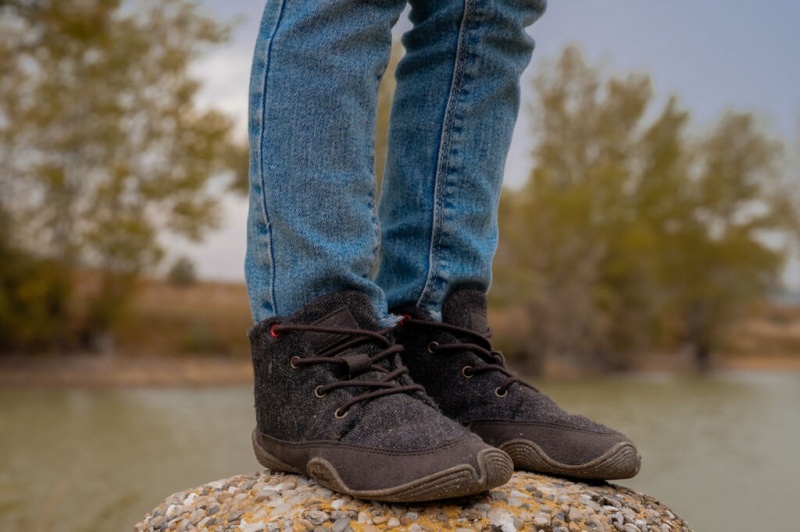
(721, 451)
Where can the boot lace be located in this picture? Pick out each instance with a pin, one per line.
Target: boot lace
(343, 353)
(469, 340)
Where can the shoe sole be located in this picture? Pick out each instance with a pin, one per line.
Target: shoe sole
(621, 461)
(494, 469)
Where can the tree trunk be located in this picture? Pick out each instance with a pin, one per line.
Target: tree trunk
(702, 356)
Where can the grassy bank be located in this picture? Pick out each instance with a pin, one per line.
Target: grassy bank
(205, 319)
(197, 335)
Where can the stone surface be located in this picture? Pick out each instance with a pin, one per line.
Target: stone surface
(276, 502)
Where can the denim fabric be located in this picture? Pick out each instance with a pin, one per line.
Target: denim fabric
(312, 225)
(455, 107)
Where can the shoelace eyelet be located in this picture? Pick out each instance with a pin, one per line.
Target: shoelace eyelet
(466, 371)
(293, 362)
(340, 415)
(499, 394)
(432, 346)
(273, 332)
(318, 394)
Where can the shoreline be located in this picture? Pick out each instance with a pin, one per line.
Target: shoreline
(85, 371)
(88, 371)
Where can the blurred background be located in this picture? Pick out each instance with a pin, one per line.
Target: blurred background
(647, 273)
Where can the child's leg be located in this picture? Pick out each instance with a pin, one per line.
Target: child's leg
(332, 400)
(455, 107)
(312, 227)
(457, 100)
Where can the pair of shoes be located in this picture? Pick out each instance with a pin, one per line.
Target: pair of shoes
(335, 401)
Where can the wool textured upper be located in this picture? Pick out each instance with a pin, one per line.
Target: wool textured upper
(473, 399)
(287, 409)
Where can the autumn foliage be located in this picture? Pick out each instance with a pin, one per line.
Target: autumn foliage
(637, 231)
(103, 150)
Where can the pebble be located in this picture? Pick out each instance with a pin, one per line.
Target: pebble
(575, 514)
(282, 508)
(610, 501)
(341, 524)
(338, 503)
(499, 496)
(305, 524)
(317, 517)
(265, 502)
(502, 519)
(593, 505)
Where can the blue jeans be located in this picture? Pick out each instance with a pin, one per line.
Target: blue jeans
(313, 226)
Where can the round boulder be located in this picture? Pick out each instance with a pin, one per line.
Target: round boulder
(276, 502)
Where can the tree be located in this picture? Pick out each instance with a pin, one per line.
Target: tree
(717, 261)
(182, 273)
(31, 297)
(631, 234)
(102, 145)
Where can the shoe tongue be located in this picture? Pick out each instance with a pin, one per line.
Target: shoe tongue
(356, 304)
(466, 308)
(342, 310)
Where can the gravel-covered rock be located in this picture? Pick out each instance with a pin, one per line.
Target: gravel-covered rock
(277, 502)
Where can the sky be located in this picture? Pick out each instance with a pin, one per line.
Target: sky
(715, 55)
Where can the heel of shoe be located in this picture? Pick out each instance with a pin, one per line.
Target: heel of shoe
(269, 461)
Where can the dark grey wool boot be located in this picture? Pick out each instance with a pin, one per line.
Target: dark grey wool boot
(455, 362)
(334, 401)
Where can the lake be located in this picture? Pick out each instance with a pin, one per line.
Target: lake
(723, 450)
